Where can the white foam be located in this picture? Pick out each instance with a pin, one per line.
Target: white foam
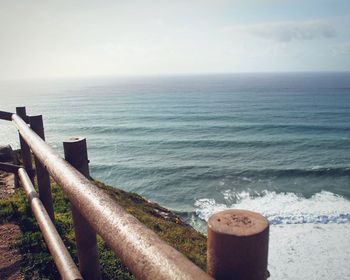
(309, 237)
(283, 208)
(309, 251)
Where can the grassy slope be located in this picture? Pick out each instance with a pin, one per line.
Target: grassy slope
(38, 263)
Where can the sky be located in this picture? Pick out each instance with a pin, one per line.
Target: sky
(49, 39)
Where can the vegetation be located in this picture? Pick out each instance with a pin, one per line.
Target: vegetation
(38, 263)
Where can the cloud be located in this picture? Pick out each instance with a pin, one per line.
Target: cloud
(288, 31)
(341, 49)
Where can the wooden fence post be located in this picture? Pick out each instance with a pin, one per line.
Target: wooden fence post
(42, 176)
(26, 154)
(75, 152)
(238, 245)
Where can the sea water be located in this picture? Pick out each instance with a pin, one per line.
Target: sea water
(278, 144)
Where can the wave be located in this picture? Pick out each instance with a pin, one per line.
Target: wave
(296, 172)
(282, 208)
(206, 171)
(176, 125)
(224, 144)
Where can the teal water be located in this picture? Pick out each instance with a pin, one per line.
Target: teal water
(278, 144)
(179, 139)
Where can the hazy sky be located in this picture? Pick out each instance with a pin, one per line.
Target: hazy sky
(80, 38)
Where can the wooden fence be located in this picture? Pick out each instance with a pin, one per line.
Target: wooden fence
(237, 240)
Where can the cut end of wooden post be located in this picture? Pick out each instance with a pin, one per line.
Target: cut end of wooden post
(238, 223)
(238, 245)
(74, 139)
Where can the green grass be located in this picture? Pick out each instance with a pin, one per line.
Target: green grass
(38, 263)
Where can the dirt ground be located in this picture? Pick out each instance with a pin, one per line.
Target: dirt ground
(10, 257)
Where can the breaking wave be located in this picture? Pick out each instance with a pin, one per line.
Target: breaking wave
(282, 208)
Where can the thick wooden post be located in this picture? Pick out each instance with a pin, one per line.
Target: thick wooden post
(42, 176)
(75, 152)
(25, 150)
(238, 245)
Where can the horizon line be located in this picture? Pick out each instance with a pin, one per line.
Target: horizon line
(175, 74)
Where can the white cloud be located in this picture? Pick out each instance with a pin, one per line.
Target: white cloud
(288, 31)
(341, 49)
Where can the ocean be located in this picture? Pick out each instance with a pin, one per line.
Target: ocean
(275, 143)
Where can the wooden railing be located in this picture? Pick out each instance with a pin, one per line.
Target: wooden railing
(230, 255)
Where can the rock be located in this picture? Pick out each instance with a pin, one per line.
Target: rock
(7, 154)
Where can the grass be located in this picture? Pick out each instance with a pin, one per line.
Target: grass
(38, 263)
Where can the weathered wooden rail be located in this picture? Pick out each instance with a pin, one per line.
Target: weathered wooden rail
(140, 249)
